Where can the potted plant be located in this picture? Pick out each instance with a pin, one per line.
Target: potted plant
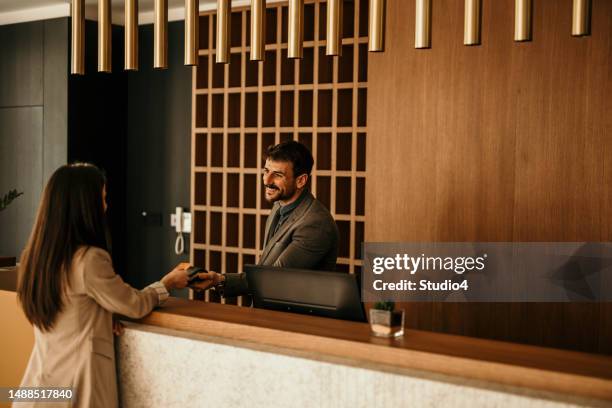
(4, 202)
(385, 321)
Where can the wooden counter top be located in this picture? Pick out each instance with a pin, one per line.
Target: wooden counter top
(492, 362)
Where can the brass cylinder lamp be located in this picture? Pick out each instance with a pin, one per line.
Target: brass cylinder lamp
(522, 20)
(581, 18)
(131, 35)
(77, 58)
(334, 27)
(223, 31)
(258, 30)
(472, 22)
(160, 35)
(104, 36)
(422, 27)
(296, 29)
(192, 17)
(376, 27)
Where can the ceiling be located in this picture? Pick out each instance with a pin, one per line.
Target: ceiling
(15, 11)
(144, 5)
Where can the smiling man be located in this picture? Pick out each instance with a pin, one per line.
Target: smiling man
(300, 232)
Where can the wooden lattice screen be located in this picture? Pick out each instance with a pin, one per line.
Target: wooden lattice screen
(241, 108)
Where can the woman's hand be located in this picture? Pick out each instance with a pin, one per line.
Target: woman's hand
(118, 327)
(177, 278)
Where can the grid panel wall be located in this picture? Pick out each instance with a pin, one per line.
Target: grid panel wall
(241, 108)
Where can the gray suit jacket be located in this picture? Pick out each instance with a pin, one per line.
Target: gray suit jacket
(308, 239)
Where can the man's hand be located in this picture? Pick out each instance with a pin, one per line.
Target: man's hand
(206, 280)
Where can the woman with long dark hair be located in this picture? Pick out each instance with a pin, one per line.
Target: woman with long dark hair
(69, 290)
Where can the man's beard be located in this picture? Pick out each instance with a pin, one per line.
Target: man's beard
(287, 194)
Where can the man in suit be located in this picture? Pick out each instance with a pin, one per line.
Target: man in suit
(300, 232)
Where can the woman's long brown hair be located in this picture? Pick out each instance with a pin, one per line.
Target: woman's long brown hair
(70, 215)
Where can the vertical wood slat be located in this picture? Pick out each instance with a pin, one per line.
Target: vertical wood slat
(315, 97)
(192, 184)
(242, 145)
(353, 227)
(277, 107)
(209, 145)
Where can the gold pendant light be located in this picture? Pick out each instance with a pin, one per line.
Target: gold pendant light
(258, 30)
(581, 18)
(296, 29)
(422, 28)
(334, 27)
(77, 64)
(131, 35)
(192, 17)
(522, 20)
(472, 22)
(160, 35)
(223, 31)
(377, 26)
(104, 36)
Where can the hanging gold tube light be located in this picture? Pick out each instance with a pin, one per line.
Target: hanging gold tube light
(377, 26)
(131, 35)
(522, 20)
(104, 36)
(77, 62)
(160, 35)
(581, 18)
(258, 30)
(471, 29)
(192, 8)
(296, 29)
(223, 31)
(334, 27)
(422, 28)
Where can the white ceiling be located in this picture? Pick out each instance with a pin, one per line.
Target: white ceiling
(16, 11)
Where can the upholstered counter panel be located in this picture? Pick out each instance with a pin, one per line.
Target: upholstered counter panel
(160, 367)
(348, 359)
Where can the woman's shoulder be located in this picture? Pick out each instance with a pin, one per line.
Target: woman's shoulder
(90, 254)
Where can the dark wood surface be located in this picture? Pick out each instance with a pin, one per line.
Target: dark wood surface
(8, 279)
(537, 368)
(501, 142)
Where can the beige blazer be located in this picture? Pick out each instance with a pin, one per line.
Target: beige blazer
(79, 351)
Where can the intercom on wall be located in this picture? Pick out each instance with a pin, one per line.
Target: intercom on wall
(181, 221)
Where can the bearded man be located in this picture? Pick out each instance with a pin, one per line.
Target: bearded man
(300, 231)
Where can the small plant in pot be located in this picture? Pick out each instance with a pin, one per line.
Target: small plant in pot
(385, 321)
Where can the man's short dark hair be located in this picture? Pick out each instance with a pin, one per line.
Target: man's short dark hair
(292, 152)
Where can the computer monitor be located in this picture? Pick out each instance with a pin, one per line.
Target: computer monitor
(319, 293)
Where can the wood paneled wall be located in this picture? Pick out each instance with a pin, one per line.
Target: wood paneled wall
(500, 142)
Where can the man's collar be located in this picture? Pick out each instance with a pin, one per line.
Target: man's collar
(286, 209)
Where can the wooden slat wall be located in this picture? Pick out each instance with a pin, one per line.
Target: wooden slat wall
(501, 142)
(239, 109)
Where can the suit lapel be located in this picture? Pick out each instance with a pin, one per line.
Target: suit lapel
(295, 215)
(273, 213)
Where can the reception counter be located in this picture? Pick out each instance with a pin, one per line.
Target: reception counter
(191, 353)
(224, 355)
